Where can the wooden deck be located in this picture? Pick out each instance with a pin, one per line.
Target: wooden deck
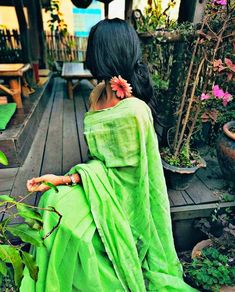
(59, 144)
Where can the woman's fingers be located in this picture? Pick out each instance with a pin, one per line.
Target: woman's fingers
(42, 188)
(37, 188)
(40, 179)
(36, 184)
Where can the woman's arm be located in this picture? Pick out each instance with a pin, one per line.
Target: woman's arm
(37, 184)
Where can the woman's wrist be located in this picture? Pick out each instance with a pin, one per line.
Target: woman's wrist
(70, 179)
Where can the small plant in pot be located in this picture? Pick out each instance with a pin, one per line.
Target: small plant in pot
(212, 266)
(206, 93)
(180, 162)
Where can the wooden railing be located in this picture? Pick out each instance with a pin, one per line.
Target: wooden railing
(10, 46)
(67, 48)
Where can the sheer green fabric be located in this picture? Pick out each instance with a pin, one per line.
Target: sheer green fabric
(115, 234)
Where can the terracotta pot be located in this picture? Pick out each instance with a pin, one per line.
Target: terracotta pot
(226, 152)
(197, 251)
(179, 178)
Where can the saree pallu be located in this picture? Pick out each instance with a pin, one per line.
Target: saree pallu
(115, 233)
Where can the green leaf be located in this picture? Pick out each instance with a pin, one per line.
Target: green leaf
(9, 254)
(50, 185)
(28, 213)
(29, 261)
(26, 234)
(7, 198)
(3, 268)
(3, 159)
(34, 224)
(31, 216)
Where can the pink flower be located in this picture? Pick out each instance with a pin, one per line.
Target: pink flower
(120, 85)
(218, 65)
(204, 96)
(230, 64)
(227, 98)
(217, 92)
(220, 2)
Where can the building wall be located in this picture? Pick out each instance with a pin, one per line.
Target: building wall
(81, 19)
(8, 18)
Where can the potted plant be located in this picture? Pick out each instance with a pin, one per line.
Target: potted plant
(219, 105)
(212, 264)
(205, 97)
(165, 44)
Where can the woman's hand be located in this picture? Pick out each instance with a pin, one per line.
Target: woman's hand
(36, 184)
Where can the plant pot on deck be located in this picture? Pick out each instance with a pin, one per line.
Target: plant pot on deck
(179, 178)
(196, 252)
(226, 152)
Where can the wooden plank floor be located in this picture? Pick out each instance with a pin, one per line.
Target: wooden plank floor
(59, 144)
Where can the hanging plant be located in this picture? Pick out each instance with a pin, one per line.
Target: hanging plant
(56, 22)
(81, 3)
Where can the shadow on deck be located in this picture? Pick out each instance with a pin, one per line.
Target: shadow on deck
(59, 144)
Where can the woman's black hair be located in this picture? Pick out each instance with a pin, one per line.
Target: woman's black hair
(114, 49)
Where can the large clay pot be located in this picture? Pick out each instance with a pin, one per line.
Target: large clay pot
(179, 178)
(226, 152)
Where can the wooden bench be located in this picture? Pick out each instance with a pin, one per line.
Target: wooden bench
(13, 73)
(75, 71)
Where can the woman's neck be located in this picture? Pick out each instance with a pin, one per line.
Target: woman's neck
(109, 98)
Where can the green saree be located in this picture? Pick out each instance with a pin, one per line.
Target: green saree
(115, 233)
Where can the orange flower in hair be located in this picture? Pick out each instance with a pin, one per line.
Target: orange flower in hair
(121, 87)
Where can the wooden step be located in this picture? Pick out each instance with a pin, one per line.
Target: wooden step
(16, 140)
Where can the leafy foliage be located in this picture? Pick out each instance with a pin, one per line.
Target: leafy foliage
(185, 159)
(58, 26)
(212, 269)
(14, 255)
(29, 261)
(56, 21)
(26, 234)
(11, 255)
(214, 39)
(3, 159)
(154, 17)
(187, 63)
(214, 266)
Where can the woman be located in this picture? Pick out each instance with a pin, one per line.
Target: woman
(115, 234)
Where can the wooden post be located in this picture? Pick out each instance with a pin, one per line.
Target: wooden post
(42, 37)
(106, 10)
(186, 10)
(34, 37)
(16, 88)
(19, 8)
(70, 88)
(128, 10)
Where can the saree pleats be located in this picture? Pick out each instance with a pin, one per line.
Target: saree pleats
(115, 233)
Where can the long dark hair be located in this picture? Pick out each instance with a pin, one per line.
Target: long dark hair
(114, 49)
